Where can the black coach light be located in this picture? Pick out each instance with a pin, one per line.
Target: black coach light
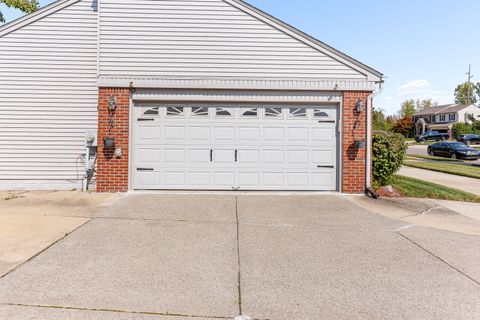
(359, 106)
(112, 103)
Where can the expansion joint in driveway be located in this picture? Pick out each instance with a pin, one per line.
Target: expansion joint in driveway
(160, 314)
(439, 259)
(239, 279)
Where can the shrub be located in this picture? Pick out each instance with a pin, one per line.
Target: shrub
(389, 150)
(461, 128)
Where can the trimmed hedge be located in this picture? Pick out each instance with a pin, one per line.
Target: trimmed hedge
(389, 151)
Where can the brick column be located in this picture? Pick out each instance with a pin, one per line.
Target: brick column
(354, 128)
(112, 171)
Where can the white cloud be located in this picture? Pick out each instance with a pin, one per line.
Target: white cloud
(415, 89)
(418, 87)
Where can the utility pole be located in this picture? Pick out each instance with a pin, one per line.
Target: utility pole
(469, 82)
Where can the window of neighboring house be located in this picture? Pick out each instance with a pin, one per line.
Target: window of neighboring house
(442, 118)
(452, 117)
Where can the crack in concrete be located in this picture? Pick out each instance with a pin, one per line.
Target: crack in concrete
(163, 314)
(439, 259)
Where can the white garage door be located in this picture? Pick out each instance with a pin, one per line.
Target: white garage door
(223, 147)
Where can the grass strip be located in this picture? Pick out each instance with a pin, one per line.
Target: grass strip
(450, 168)
(414, 188)
(421, 156)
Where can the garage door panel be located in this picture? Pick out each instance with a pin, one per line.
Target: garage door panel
(174, 178)
(174, 155)
(149, 133)
(323, 157)
(145, 155)
(174, 132)
(249, 133)
(298, 134)
(224, 134)
(199, 178)
(199, 133)
(224, 179)
(245, 149)
(274, 134)
(298, 157)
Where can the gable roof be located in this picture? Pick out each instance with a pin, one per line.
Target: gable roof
(447, 108)
(372, 74)
(302, 36)
(34, 16)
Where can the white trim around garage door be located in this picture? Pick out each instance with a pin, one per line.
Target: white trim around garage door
(188, 97)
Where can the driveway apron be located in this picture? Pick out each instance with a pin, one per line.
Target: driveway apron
(166, 256)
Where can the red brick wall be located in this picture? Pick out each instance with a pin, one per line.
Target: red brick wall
(112, 171)
(354, 159)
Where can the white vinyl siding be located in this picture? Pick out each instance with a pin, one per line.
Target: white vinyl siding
(48, 96)
(204, 38)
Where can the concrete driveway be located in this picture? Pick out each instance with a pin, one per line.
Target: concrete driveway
(174, 257)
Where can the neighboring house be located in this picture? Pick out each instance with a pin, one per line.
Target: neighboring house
(442, 118)
(204, 94)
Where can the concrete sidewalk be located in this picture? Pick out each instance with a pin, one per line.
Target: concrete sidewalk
(165, 257)
(470, 185)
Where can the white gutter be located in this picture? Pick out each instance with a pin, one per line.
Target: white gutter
(368, 180)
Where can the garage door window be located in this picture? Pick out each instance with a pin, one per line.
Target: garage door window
(175, 111)
(298, 112)
(200, 111)
(224, 112)
(250, 113)
(274, 112)
(151, 111)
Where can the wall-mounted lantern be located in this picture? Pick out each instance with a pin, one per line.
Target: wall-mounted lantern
(359, 106)
(112, 103)
(108, 143)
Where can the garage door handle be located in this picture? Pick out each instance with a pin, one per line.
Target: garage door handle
(211, 155)
(326, 121)
(145, 119)
(144, 169)
(236, 155)
(330, 167)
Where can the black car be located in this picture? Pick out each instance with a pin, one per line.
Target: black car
(454, 150)
(432, 135)
(469, 139)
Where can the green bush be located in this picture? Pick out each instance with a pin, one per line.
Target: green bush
(389, 150)
(462, 128)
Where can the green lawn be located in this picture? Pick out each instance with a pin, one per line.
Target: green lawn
(414, 188)
(421, 156)
(456, 169)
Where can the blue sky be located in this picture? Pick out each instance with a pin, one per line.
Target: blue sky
(422, 46)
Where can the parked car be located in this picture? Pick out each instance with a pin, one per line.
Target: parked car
(432, 135)
(469, 139)
(454, 150)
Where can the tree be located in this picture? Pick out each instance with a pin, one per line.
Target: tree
(408, 108)
(467, 93)
(379, 120)
(424, 104)
(27, 6)
(404, 126)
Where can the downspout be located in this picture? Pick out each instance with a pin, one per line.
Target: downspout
(368, 180)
